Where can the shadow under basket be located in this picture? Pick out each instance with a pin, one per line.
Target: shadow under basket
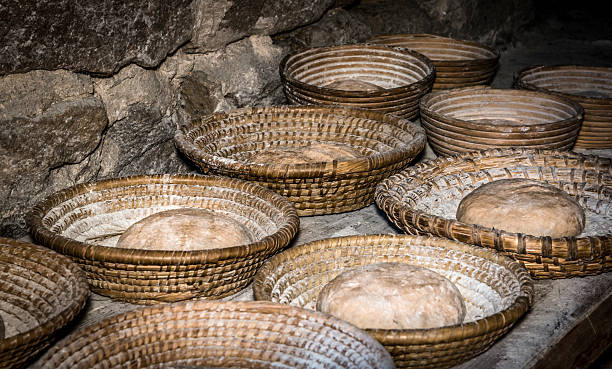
(212, 334)
(85, 221)
(423, 199)
(40, 292)
(496, 290)
(225, 143)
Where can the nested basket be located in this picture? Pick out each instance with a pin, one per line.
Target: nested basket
(496, 290)
(589, 86)
(423, 199)
(404, 76)
(458, 63)
(40, 292)
(478, 118)
(85, 222)
(219, 334)
(224, 143)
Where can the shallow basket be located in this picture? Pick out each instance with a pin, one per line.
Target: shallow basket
(589, 86)
(478, 118)
(404, 76)
(458, 63)
(85, 221)
(206, 334)
(497, 291)
(40, 292)
(223, 143)
(424, 198)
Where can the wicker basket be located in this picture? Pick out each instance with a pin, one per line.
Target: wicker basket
(497, 291)
(40, 292)
(404, 76)
(218, 334)
(223, 143)
(423, 200)
(85, 221)
(478, 118)
(590, 86)
(458, 63)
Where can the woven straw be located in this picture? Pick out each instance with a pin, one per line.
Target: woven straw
(85, 221)
(497, 291)
(219, 334)
(40, 292)
(478, 118)
(404, 76)
(589, 86)
(424, 198)
(222, 143)
(458, 63)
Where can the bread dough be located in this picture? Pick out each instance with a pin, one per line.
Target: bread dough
(305, 154)
(523, 206)
(353, 85)
(393, 296)
(185, 229)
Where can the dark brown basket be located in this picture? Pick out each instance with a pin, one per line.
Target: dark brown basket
(223, 142)
(206, 334)
(478, 118)
(497, 291)
(85, 221)
(40, 292)
(423, 200)
(458, 63)
(577, 83)
(404, 75)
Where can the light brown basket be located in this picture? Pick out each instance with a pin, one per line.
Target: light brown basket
(404, 76)
(497, 291)
(573, 81)
(218, 334)
(40, 292)
(458, 63)
(85, 221)
(478, 118)
(423, 200)
(222, 143)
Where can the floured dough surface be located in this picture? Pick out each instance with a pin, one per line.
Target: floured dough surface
(184, 230)
(353, 85)
(523, 206)
(393, 296)
(305, 154)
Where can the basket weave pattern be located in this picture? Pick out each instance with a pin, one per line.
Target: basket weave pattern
(40, 292)
(84, 222)
(587, 178)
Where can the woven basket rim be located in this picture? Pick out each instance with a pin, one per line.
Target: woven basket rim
(417, 85)
(88, 251)
(519, 81)
(460, 331)
(335, 168)
(79, 279)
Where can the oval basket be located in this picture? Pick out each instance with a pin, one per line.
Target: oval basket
(40, 292)
(85, 221)
(423, 200)
(222, 143)
(497, 291)
(404, 76)
(219, 334)
(458, 63)
(589, 86)
(478, 118)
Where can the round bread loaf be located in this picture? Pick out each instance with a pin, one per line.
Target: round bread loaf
(392, 296)
(183, 230)
(305, 154)
(353, 85)
(523, 206)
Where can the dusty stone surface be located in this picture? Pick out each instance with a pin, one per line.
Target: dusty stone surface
(91, 36)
